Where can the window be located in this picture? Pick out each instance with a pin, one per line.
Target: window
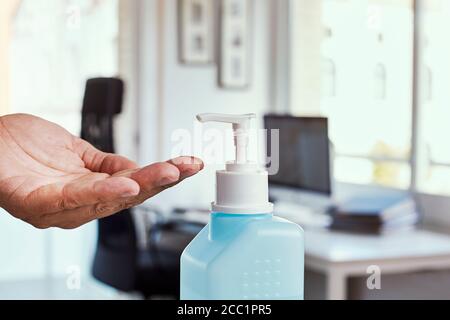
(434, 101)
(56, 45)
(365, 62)
(53, 47)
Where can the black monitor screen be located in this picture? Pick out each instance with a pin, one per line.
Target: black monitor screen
(304, 159)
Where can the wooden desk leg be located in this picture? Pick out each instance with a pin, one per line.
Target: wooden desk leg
(336, 286)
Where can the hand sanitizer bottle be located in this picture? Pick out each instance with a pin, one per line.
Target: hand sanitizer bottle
(244, 252)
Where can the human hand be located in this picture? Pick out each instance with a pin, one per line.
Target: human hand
(50, 178)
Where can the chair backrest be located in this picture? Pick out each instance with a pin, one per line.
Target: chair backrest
(115, 257)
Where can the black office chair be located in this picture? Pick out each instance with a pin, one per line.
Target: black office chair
(118, 261)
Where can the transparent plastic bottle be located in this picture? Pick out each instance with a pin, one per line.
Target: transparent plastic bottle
(244, 252)
(244, 256)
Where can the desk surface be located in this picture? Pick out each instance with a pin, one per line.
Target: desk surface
(344, 247)
(341, 255)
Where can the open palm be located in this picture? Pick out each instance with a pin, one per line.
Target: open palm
(49, 177)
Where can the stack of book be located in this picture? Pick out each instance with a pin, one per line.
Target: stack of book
(375, 215)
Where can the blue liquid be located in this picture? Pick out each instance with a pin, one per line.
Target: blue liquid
(244, 257)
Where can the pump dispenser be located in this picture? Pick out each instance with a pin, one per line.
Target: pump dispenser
(244, 252)
(242, 187)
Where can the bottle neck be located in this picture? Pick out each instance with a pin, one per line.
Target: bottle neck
(225, 224)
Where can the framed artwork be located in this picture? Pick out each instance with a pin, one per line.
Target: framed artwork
(234, 44)
(195, 30)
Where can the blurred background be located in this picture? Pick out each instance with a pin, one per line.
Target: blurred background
(376, 72)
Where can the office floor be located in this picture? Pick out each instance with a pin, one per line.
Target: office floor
(56, 289)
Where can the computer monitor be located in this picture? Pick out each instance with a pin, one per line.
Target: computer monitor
(304, 153)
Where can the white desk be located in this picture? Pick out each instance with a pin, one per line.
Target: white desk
(341, 255)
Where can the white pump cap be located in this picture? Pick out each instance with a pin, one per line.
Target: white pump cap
(243, 187)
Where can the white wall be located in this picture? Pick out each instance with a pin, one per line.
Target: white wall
(184, 91)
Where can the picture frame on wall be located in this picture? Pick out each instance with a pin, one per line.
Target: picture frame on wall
(234, 44)
(195, 30)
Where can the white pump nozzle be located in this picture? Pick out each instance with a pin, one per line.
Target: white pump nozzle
(241, 125)
(242, 188)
